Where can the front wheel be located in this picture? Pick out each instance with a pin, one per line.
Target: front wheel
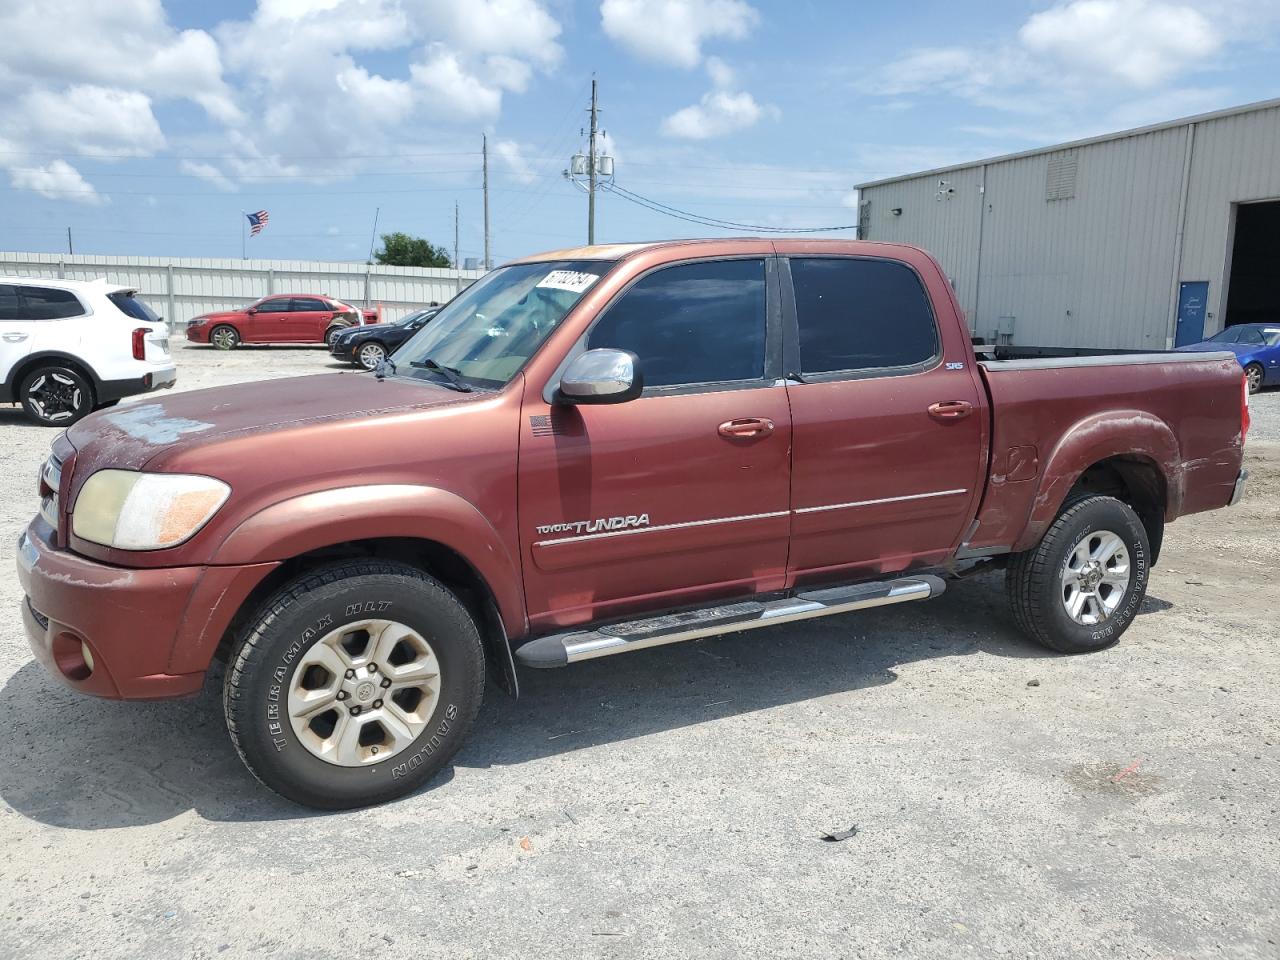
(354, 684)
(224, 338)
(370, 355)
(1253, 375)
(1079, 589)
(55, 396)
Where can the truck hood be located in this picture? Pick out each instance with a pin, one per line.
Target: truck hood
(130, 435)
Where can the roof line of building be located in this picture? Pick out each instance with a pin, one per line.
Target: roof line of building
(1087, 141)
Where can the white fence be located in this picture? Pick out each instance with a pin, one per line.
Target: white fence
(184, 288)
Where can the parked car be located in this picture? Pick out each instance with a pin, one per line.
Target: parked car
(284, 318)
(68, 347)
(593, 452)
(369, 346)
(1256, 346)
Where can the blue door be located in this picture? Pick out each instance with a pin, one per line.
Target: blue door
(1192, 297)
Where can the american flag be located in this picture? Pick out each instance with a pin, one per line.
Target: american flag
(257, 221)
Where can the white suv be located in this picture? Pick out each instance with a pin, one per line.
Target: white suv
(68, 347)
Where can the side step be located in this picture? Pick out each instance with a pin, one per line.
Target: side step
(561, 649)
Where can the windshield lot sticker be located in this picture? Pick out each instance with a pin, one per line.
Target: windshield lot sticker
(571, 280)
(597, 526)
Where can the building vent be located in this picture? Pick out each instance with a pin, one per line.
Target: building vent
(1060, 177)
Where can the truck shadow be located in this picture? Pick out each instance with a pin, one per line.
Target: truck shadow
(74, 762)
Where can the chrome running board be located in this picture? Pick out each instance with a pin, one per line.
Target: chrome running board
(561, 649)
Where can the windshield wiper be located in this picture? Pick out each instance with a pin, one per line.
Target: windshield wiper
(449, 373)
(380, 371)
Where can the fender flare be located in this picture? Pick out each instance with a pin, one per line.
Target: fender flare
(325, 518)
(1132, 434)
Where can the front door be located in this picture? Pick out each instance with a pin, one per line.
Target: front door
(1192, 297)
(678, 496)
(269, 323)
(889, 421)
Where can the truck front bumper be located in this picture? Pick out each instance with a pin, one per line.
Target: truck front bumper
(125, 633)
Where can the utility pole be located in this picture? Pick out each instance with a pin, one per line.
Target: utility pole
(457, 265)
(70, 249)
(488, 263)
(373, 237)
(591, 171)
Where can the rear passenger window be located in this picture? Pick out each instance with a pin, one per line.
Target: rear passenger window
(49, 303)
(692, 323)
(10, 307)
(307, 304)
(861, 315)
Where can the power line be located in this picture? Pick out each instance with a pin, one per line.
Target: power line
(242, 157)
(670, 211)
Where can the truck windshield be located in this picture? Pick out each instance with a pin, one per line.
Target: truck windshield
(488, 332)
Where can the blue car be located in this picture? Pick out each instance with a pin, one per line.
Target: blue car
(1256, 345)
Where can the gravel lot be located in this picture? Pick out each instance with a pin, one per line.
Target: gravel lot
(671, 803)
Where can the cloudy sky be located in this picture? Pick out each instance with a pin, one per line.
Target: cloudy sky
(148, 125)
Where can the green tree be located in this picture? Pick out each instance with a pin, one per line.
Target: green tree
(402, 250)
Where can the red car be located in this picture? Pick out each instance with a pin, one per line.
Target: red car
(280, 318)
(594, 452)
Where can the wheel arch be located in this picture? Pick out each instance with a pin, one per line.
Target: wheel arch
(1128, 454)
(51, 358)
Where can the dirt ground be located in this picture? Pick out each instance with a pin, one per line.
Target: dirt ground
(672, 803)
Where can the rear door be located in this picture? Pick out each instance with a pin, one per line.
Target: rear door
(889, 421)
(15, 334)
(308, 319)
(656, 503)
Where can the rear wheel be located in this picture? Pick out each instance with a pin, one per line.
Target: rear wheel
(55, 396)
(355, 684)
(1253, 374)
(331, 335)
(224, 337)
(370, 355)
(1079, 589)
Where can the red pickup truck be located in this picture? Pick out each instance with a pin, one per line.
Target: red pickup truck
(592, 452)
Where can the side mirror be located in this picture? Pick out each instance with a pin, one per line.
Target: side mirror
(251, 310)
(602, 376)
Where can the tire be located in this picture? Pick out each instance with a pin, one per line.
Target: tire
(283, 658)
(370, 354)
(224, 337)
(1041, 582)
(1254, 375)
(332, 334)
(55, 396)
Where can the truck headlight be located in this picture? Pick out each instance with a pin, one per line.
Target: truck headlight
(145, 511)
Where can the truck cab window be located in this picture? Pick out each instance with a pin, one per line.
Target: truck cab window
(861, 314)
(692, 323)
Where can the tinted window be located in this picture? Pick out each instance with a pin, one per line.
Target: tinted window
(10, 307)
(694, 323)
(278, 305)
(302, 304)
(132, 306)
(1228, 335)
(1251, 335)
(49, 303)
(861, 314)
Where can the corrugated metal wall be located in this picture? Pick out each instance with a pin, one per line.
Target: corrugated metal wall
(184, 288)
(1099, 269)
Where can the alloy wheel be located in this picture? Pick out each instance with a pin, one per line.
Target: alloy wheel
(55, 397)
(371, 354)
(1095, 577)
(364, 692)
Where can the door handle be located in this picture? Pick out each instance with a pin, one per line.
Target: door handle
(746, 427)
(14, 337)
(950, 409)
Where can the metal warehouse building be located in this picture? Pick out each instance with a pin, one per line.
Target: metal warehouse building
(1136, 240)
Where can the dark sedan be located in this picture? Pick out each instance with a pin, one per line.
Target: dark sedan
(370, 345)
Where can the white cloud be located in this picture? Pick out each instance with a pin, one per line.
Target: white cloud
(452, 89)
(722, 110)
(673, 31)
(57, 180)
(511, 156)
(93, 120)
(1139, 42)
(208, 172)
